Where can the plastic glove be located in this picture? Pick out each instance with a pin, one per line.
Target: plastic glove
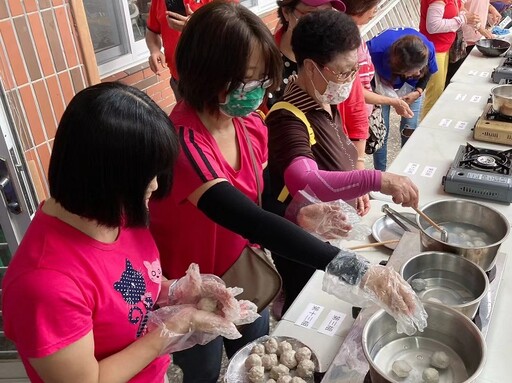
(184, 326)
(352, 279)
(324, 219)
(390, 291)
(194, 286)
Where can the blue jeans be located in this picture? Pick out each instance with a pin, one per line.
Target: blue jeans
(380, 156)
(201, 364)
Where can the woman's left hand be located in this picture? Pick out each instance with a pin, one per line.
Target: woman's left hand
(409, 98)
(363, 205)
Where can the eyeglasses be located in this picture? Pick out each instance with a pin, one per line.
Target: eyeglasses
(253, 84)
(344, 76)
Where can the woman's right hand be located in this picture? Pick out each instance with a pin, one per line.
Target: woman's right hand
(402, 108)
(472, 18)
(401, 188)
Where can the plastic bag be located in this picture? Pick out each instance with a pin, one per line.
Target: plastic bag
(352, 279)
(326, 220)
(383, 88)
(405, 90)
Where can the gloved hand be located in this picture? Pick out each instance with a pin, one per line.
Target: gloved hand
(325, 219)
(389, 290)
(184, 326)
(353, 279)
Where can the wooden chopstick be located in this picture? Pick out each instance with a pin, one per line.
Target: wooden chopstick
(428, 219)
(374, 244)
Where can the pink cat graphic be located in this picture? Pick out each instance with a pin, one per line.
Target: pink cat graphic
(154, 271)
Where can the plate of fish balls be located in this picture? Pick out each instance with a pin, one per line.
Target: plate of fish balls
(273, 359)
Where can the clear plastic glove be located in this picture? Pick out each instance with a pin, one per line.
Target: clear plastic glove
(326, 220)
(402, 108)
(194, 287)
(390, 291)
(184, 326)
(352, 279)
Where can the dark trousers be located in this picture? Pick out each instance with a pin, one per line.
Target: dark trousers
(201, 364)
(294, 275)
(454, 67)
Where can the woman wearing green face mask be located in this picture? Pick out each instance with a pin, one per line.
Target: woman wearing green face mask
(227, 60)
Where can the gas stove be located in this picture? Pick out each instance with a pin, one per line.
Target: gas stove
(504, 71)
(481, 173)
(493, 127)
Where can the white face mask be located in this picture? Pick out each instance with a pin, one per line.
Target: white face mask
(334, 93)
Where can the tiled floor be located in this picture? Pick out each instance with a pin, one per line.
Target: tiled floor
(175, 374)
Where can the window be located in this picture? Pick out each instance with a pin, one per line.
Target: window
(118, 28)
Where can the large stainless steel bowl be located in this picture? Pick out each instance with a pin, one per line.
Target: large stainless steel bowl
(449, 278)
(447, 330)
(502, 99)
(464, 211)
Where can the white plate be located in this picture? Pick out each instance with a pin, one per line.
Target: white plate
(237, 373)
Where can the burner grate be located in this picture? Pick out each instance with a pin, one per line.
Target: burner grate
(487, 160)
(494, 115)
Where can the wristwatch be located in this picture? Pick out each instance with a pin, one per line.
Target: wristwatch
(419, 90)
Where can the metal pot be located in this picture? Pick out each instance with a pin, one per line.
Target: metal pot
(464, 211)
(447, 330)
(502, 99)
(451, 279)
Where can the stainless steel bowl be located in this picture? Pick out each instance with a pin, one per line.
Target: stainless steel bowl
(502, 99)
(464, 211)
(447, 330)
(450, 279)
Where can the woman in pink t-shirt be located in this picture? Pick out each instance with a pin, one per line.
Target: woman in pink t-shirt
(227, 59)
(80, 289)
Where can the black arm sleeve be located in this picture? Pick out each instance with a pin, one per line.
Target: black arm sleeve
(422, 82)
(230, 208)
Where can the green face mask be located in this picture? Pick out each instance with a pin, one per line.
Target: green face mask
(240, 103)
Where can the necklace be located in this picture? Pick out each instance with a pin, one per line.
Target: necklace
(343, 143)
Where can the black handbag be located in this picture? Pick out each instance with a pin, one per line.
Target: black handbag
(458, 49)
(254, 270)
(377, 130)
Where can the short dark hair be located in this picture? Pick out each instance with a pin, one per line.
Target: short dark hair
(281, 6)
(112, 140)
(322, 35)
(358, 7)
(406, 53)
(214, 50)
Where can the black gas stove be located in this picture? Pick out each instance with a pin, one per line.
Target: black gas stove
(481, 173)
(503, 72)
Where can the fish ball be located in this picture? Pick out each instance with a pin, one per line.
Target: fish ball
(440, 359)
(283, 347)
(277, 371)
(284, 379)
(303, 353)
(258, 349)
(418, 284)
(256, 374)
(268, 361)
(271, 346)
(288, 359)
(401, 368)
(430, 375)
(252, 360)
(479, 243)
(296, 379)
(472, 232)
(305, 368)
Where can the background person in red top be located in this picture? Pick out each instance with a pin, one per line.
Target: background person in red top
(439, 20)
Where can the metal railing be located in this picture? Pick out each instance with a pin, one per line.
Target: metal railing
(393, 13)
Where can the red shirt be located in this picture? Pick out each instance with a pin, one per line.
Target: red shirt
(61, 284)
(442, 41)
(182, 232)
(157, 23)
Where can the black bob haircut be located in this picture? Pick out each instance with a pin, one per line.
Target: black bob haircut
(112, 140)
(322, 35)
(359, 7)
(213, 53)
